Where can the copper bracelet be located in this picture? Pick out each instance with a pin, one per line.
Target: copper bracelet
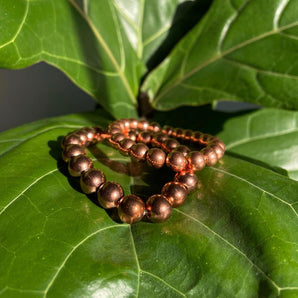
(142, 141)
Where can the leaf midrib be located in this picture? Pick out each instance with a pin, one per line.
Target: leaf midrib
(107, 50)
(221, 55)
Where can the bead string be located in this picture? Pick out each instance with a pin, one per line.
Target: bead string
(142, 141)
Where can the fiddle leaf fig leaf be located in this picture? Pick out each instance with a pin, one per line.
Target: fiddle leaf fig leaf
(268, 135)
(241, 50)
(102, 46)
(236, 234)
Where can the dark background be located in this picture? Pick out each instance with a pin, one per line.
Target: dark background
(42, 91)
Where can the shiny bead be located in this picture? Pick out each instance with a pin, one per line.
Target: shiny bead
(125, 145)
(156, 157)
(83, 136)
(210, 156)
(188, 179)
(219, 143)
(91, 180)
(183, 149)
(125, 124)
(218, 150)
(196, 160)
(89, 132)
(109, 194)
(134, 123)
(154, 127)
(177, 133)
(159, 138)
(143, 125)
(133, 135)
(144, 137)
(175, 192)
(116, 138)
(79, 164)
(187, 134)
(196, 137)
(138, 151)
(114, 128)
(72, 150)
(71, 139)
(131, 209)
(167, 130)
(158, 208)
(176, 161)
(171, 144)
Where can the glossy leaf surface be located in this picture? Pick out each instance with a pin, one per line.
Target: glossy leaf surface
(102, 46)
(235, 236)
(270, 136)
(241, 50)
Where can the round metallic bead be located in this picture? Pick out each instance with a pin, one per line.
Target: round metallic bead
(218, 150)
(196, 137)
(156, 157)
(72, 150)
(144, 137)
(158, 208)
(131, 209)
(133, 135)
(114, 128)
(143, 125)
(187, 134)
(196, 160)
(91, 180)
(109, 195)
(89, 132)
(183, 149)
(116, 138)
(79, 164)
(71, 139)
(209, 156)
(171, 144)
(188, 179)
(125, 124)
(159, 139)
(83, 136)
(167, 130)
(138, 151)
(175, 192)
(134, 123)
(219, 143)
(177, 133)
(125, 145)
(154, 127)
(176, 161)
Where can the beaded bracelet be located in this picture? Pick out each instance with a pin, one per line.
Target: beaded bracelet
(143, 141)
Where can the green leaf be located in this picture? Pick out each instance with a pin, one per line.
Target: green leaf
(101, 45)
(235, 236)
(241, 50)
(268, 135)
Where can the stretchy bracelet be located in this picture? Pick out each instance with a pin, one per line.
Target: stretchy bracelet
(142, 141)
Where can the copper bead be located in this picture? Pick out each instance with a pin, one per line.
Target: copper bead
(175, 192)
(79, 164)
(125, 145)
(89, 132)
(154, 127)
(156, 157)
(218, 150)
(188, 179)
(144, 137)
(71, 139)
(158, 208)
(183, 149)
(143, 125)
(109, 195)
(171, 144)
(131, 209)
(196, 160)
(176, 161)
(210, 156)
(138, 151)
(134, 123)
(72, 150)
(91, 180)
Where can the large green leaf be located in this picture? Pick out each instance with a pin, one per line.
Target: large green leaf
(244, 50)
(101, 45)
(270, 136)
(235, 236)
